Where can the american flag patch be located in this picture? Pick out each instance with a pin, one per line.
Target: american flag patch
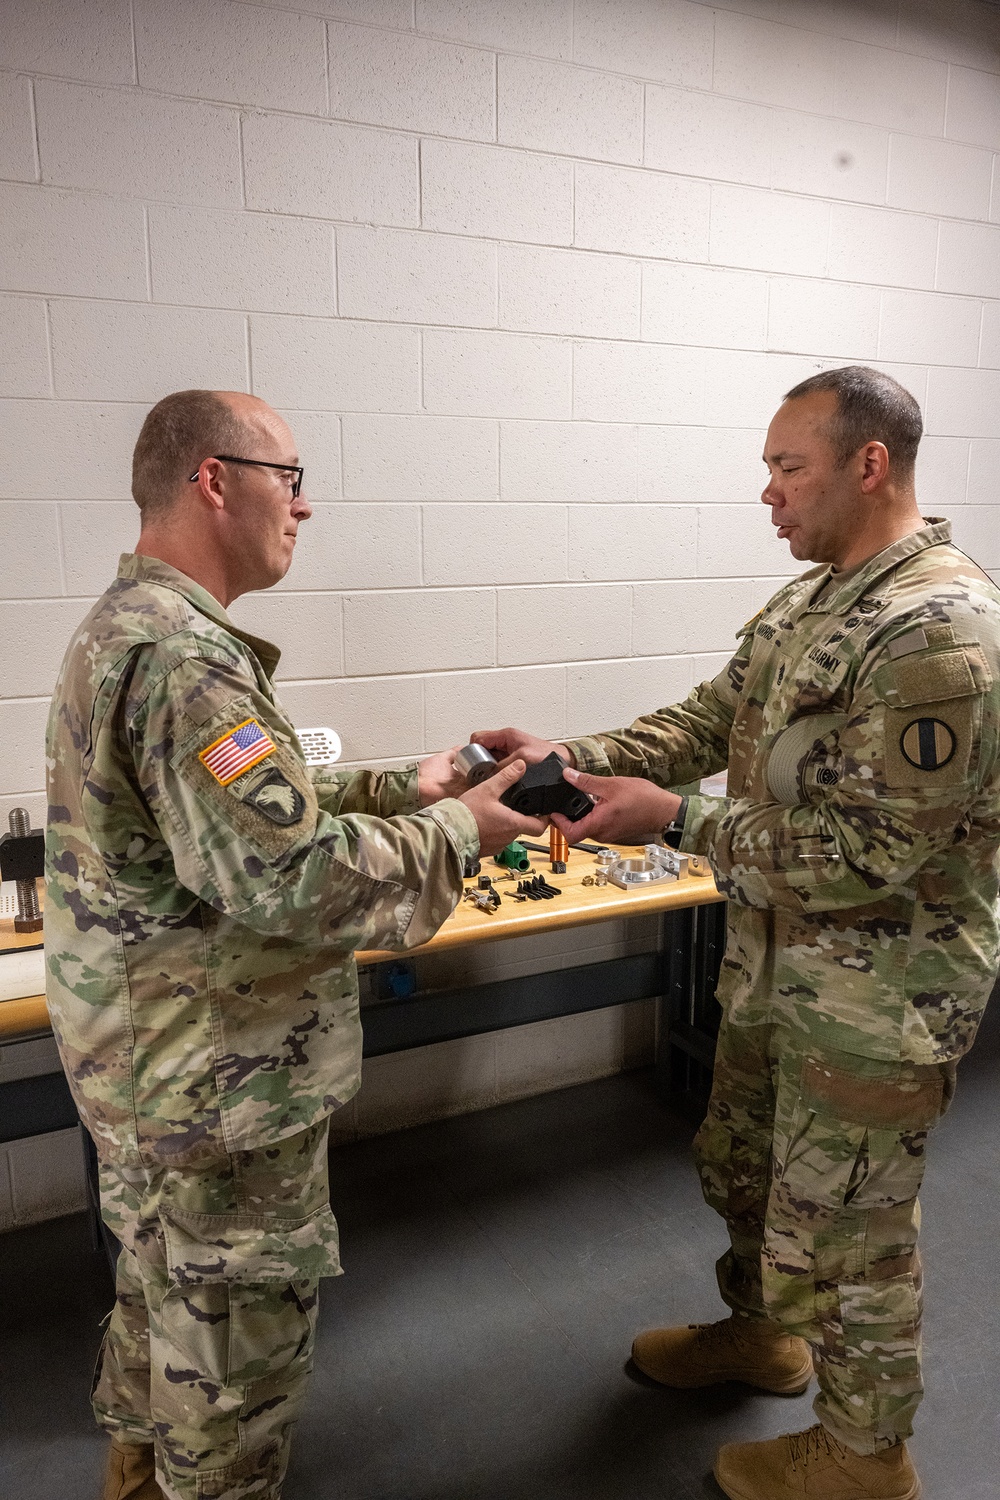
(237, 751)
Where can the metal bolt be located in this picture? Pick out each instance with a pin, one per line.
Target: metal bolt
(29, 916)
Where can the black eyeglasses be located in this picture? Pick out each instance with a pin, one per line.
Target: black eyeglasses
(259, 463)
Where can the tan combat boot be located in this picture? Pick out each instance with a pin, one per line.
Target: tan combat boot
(747, 1349)
(812, 1465)
(131, 1473)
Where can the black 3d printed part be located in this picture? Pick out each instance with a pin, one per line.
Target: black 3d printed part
(22, 856)
(542, 790)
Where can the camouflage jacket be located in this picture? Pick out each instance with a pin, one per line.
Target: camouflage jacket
(863, 907)
(205, 891)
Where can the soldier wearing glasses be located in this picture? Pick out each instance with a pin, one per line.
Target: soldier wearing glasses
(205, 894)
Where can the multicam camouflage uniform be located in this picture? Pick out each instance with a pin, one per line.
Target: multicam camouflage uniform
(205, 892)
(862, 945)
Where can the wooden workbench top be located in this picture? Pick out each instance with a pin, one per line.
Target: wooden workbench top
(577, 906)
(25, 1016)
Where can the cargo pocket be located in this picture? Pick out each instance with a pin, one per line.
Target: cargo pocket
(821, 1166)
(881, 1328)
(878, 1126)
(249, 1247)
(241, 1292)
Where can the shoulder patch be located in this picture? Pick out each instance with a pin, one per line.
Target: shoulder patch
(236, 751)
(277, 799)
(927, 744)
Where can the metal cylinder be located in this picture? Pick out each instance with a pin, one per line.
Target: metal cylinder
(475, 764)
(29, 915)
(558, 847)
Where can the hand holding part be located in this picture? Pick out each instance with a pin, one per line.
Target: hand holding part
(475, 764)
(498, 824)
(438, 776)
(628, 809)
(542, 791)
(505, 744)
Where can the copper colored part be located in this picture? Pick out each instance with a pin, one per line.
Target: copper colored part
(558, 847)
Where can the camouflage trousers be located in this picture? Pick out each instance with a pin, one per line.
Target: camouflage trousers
(815, 1158)
(209, 1348)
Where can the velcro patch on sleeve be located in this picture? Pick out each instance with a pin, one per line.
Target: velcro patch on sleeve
(926, 678)
(236, 751)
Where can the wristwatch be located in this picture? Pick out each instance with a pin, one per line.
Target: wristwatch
(674, 830)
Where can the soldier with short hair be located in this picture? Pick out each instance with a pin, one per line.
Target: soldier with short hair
(205, 893)
(860, 723)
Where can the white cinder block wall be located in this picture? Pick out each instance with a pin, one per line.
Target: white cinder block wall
(528, 278)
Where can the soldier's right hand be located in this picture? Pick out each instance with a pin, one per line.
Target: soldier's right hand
(499, 825)
(506, 743)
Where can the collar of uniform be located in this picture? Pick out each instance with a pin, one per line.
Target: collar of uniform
(834, 601)
(152, 570)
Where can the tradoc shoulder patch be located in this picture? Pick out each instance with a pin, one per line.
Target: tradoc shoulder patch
(236, 751)
(277, 799)
(928, 744)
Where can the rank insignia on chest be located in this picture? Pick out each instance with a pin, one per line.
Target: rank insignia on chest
(928, 744)
(236, 751)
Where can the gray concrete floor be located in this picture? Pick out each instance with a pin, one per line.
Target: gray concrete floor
(497, 1267)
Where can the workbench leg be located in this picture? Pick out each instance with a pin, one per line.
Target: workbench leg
(693, 942)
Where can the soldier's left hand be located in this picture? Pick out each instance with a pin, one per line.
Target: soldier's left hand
(629, 810)
(437, 777)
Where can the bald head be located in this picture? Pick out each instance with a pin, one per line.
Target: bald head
(183, 429)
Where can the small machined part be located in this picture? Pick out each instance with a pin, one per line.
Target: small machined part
(656, 864)
(606, 858)
(559, 867)
(558, 847)
(485, 883)
(475, 764)
(698, 865)
(601, 878)
(587, 880)
(671, 859)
